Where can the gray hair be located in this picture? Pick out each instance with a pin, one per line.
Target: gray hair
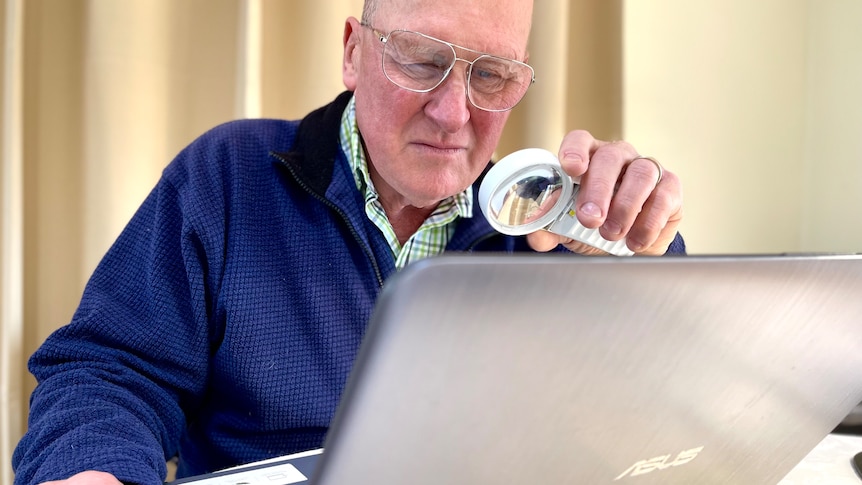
(368, 10)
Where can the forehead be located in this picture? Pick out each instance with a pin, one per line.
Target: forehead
(499, 27)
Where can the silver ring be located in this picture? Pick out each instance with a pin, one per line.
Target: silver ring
(655, 162)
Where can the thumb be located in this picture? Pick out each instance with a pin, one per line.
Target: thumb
(544, 241)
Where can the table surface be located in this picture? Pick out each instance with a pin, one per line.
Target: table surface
(828, 463)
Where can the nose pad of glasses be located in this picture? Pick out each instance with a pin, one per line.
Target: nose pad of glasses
(449, 104)
(463, 75)
(451, 78)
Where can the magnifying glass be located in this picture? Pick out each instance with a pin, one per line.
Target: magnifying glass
(528, 190)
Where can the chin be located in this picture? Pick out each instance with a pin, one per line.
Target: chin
(430, 199)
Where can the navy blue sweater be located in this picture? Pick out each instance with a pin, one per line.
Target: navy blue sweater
(223, 322)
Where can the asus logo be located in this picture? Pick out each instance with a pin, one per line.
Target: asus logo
(660, 463)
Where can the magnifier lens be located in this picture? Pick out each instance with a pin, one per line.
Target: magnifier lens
(527, 196)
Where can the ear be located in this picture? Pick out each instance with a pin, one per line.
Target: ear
(352, 53)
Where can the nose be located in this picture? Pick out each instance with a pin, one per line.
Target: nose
(448, 106)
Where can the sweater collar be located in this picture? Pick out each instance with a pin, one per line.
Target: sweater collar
(313, 158)
(317, 146)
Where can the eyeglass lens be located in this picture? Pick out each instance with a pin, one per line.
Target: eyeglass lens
(419, 63)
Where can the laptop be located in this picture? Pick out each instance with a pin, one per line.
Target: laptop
(512, 369)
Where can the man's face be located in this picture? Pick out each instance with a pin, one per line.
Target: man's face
(424, 147)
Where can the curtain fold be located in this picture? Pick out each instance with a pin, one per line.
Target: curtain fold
(12, 400)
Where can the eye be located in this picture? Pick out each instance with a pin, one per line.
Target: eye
(420, 62)
(422, 70)
(488, 75)
(487, 78)
(492, 75)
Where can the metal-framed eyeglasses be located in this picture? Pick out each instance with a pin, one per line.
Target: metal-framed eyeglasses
(420, 63)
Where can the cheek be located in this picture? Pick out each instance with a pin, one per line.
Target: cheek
(488, 128)
(385, 100)
(385, 115)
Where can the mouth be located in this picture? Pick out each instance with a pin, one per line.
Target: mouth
(441, 147)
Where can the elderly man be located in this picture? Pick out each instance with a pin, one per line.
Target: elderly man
(223, 323)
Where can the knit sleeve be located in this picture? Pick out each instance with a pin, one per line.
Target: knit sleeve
(115, 386)
(677, 246)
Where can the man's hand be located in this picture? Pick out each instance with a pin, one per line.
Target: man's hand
(623, 195)
(87, 478)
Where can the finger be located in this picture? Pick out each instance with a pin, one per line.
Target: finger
(600, 181)
(544, 241)
(87, 478)
(583, 249)
(660, 245)
(636, 185)
(575, 151)
(655, 227)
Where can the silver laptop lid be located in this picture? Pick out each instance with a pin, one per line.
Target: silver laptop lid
(556, 369)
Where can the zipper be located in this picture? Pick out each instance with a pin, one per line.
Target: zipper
(338, 211)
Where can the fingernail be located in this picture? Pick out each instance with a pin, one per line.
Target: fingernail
(571, 157)
(591, 210)
(612, 227)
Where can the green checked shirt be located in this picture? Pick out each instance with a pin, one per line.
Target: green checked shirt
(433, 234)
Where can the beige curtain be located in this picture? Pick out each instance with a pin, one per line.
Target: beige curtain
(756, 106)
